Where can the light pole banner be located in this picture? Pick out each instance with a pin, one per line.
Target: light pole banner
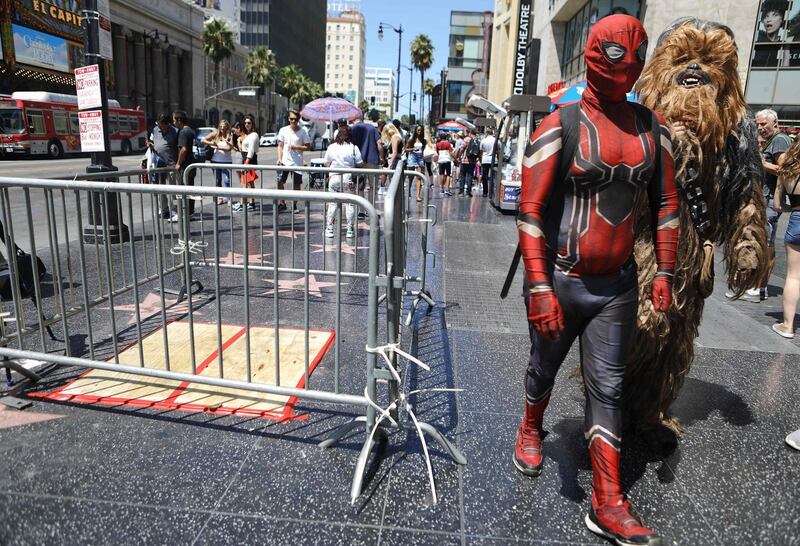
(106, 45)
(520, 76)
(91, 127)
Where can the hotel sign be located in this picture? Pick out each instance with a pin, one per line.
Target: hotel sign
(520, 77)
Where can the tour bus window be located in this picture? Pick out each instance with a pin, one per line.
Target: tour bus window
(36, 122)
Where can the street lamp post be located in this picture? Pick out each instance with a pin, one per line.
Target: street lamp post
(410, 85)
(399, 32)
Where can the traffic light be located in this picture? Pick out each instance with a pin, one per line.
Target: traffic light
(372, 100)
(414, 96)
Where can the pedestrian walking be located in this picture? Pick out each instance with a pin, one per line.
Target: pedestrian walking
(487, 150)
(163, 143)
(394, 147)
(293, 140)
(249, 147)
(220, 141)
(414, 150)
(777, 142)
(186, 137)
(344, 154)
(468, 155)
(368, 140)
(789, 184)
(445, 151)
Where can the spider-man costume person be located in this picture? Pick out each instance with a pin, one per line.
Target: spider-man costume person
(576, 237)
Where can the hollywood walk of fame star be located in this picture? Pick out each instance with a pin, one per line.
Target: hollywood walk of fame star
(347, 248)
(284, 233)
(238, 259)
(289, 285)
(152, 306)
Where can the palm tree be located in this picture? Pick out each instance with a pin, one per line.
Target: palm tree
(305, 91)
(218, 45)
(422, 59)
(427, 88)
(289, 80)
(364, 106)
(260, 69)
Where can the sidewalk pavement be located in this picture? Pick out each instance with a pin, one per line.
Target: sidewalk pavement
(137, 476)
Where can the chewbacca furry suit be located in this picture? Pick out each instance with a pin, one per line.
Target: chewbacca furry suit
(692, 79)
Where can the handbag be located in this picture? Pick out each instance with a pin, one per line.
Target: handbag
(428, 153)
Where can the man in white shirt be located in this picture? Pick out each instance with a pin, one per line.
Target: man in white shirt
(487, 147)
(293, 140)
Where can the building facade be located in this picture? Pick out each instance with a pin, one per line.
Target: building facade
(379, 88)
(767, 33)
(468, 63)
(346, 55)
(228, 10)
(293, 29)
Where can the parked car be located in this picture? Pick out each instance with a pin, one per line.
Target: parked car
(268, 139)
(198, 148)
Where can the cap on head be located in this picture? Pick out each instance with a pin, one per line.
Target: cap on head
(615, 54)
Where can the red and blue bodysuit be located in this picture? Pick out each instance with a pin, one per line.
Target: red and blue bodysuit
(577, 236)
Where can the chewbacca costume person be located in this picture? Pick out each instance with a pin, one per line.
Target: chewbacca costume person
(576, 234)
(692, 80)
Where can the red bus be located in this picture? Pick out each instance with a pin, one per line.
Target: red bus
(41, 123)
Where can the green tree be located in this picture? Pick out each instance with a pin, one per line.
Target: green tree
(289, 80)
(218, 45)
(374, 115)
(364, 106)
(261, 69)
(427, 88)
(422, 59)
(305, 91)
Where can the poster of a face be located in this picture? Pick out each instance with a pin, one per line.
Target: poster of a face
(772, 21)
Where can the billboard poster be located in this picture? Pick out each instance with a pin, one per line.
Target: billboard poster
(36, 48)
(520, 74)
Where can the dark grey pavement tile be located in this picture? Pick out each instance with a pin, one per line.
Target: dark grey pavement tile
(752, 392)
(412, 537)
(30, 519)
(234, 530)
(104, 455)
(500, 502)
(744, 485)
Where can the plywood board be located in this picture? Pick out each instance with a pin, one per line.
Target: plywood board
(119, 388)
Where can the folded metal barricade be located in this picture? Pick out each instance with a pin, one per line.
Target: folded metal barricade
(88, 275)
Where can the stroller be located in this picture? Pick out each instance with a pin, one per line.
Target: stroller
(317, 181)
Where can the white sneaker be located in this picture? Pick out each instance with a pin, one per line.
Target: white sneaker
(329, 232)
(793, 439)
(174, 217)
(350, 232)
(730, 294)
(755, 295)
(777, 328)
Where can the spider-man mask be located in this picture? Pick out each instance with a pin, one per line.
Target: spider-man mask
(615, 53)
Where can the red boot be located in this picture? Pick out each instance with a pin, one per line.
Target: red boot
(528, 448)
(612, 516)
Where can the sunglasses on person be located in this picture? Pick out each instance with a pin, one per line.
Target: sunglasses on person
(292, 119)
(248, 122)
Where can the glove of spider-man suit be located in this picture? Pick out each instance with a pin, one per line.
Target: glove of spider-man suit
(545, 313)
(662, 293)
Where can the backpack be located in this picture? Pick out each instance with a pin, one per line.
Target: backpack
(25, 267)
(570, 116)
(473, 150)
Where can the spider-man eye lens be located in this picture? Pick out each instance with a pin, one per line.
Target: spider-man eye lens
(613, 51)
(641, 52)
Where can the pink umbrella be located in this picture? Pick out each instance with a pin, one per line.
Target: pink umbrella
(450, 126)
(330, 109)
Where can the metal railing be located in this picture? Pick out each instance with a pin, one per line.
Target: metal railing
(205, 244)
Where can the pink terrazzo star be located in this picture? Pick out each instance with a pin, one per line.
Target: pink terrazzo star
(290, 285)
(152, 306)
(14, 418)
(238, 259)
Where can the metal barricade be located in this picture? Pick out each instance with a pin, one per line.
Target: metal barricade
(161, 254)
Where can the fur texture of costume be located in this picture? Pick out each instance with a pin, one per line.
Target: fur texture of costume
(692, 79)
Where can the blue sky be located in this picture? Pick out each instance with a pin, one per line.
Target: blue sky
(431, 17)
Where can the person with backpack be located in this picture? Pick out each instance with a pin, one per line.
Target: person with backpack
(585, 175)
(468, 153)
